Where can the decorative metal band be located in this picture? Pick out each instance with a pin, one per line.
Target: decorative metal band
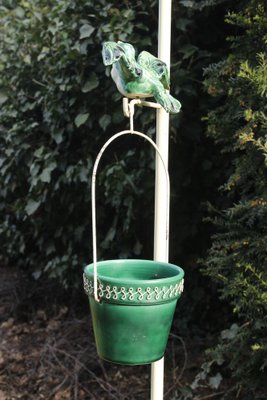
(131, 294)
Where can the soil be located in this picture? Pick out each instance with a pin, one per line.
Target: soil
(47, 351)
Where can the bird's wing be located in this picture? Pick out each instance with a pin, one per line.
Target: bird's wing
(155, 66)
(128, 49)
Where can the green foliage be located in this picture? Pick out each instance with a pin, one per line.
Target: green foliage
(59, 105)
(57, 109)
(237, 258)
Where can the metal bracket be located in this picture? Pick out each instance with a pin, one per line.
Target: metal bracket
(128, 107)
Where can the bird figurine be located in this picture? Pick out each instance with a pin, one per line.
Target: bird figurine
(145, 77)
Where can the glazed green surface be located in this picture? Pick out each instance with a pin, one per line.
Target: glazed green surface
(131, 334)
(146, 76)
(135, 281)
(132, 321)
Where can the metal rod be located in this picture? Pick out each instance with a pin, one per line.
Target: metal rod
(162, 141)
(93, 194)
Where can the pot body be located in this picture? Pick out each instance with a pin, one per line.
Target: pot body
(131, 334)
(137, 300)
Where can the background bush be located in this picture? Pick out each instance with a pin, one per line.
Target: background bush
(237, 258)
(58, 106)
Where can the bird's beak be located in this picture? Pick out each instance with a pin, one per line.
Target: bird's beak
(111, 53)
(107, 54)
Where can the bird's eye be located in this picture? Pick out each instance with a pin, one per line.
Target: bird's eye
(117, 53)
(138, 71)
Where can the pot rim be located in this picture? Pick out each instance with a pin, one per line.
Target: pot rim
(123, 290)
(178, 273)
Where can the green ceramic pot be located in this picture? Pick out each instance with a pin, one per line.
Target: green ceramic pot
(132, 321)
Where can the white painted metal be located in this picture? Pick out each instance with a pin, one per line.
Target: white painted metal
(162, 141)
(127, 106)
(93, 184)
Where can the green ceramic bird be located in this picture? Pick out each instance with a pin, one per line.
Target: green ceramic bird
(145, 77)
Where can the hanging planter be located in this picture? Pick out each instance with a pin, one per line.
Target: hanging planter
(133, 318)
(132, 302)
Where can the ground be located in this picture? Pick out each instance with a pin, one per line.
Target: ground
(47, 351)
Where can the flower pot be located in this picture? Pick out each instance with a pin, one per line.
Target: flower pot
(137, 300)
(132, 301)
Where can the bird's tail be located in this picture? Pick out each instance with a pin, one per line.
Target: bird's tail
(175, 105)
(168, 102)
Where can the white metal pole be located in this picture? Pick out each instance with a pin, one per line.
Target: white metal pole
(162, 140)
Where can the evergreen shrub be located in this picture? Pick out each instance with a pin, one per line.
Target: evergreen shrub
(237, 259)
